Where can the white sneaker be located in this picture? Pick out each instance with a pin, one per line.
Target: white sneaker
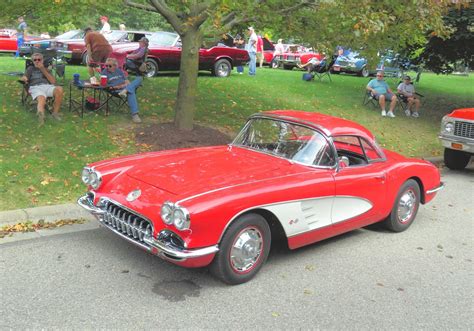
(407, 112)
(123, 93)
(136, 118)
(390, 114)
(415, 114)
(384, 113)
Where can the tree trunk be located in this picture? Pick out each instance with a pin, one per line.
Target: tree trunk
(187, 87)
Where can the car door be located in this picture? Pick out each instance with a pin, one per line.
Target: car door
(360, 185)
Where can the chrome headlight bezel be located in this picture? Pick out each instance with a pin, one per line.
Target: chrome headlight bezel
(447, 125)
(91, 177)
(173, 214)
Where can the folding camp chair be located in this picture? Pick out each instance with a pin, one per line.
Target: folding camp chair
(369, 98)
(403, 101)
(323, 69)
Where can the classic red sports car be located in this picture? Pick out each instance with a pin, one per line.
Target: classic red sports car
(165, 55)
(294, 55)
(8, 40)
(298, 176)
(457, 137)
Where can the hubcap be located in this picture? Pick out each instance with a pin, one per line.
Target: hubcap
(246, 249)
(406, 206)
(222, 70)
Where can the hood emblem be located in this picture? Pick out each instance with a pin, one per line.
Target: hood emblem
(133, 195)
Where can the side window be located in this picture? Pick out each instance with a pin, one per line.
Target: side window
(370, 152)
(349, 148)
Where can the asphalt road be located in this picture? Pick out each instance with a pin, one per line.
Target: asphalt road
(366, 279)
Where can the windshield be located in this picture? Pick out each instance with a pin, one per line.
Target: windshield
(166, 39)
(287, 140)
(74, 34)
(115, 35)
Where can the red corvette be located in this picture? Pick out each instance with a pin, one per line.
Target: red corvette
(165, 55)
(300, 176)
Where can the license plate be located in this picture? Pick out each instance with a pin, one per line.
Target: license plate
(336, 68)
(456, 146)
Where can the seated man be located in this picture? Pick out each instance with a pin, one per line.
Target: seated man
(381, 91)
(406, 90)
(136, 58)
(116, 81)
(98, 49)
(41, 86)
(313, 64)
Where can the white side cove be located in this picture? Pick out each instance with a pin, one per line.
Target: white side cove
(305, 215)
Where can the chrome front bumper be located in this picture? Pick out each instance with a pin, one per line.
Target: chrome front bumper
(164, 249)
(448, 141)
(436, 189)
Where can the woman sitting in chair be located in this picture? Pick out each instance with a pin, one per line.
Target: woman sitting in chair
(117, 82)
(407, 93)
(41, 86)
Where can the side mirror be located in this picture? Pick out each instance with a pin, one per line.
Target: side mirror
(343, 161)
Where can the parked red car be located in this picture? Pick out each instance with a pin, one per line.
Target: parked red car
(165, 55)
(78, 47)
(8, 40)
(294, 55)
(299, 176)
(457, 137)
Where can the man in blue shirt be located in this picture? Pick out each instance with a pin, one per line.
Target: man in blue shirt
(381, 91)
(20, 35)
(116, 80)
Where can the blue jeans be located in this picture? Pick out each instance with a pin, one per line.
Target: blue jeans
(252, 63)
(19, 43)
(131, 96)
(240, 69)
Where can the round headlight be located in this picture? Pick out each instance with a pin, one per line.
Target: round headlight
(167, 213)
(449, 127)
(181, 219)
(86, 176)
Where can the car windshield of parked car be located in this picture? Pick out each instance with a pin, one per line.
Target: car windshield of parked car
(74, 34)
(287, 140)
(165, 39)
(115, 35)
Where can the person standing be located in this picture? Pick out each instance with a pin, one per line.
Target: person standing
(105, 24)
(381, 91)
(239, 42)
(260, 50)
(122, 27)
(252, 50)
(20, 35)
(98, 49)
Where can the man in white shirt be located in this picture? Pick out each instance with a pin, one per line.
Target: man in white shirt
(105, 24)
(252, 50)
(406, 91)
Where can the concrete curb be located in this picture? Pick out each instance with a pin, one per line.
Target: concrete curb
(47, 213)
(73, 211)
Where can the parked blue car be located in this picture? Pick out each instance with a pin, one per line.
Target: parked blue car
(57, 43)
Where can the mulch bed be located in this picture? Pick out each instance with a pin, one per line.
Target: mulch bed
(163, 136)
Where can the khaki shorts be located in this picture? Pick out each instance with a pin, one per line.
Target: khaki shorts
(259, 56)
(46, 90)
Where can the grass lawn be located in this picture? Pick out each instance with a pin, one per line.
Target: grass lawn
(42, 165)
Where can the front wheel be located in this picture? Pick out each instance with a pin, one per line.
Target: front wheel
(405, 208)
(151, 68)
(287, 67)
(243, 250)
(274, 64)
(222, 68)
(85, 58)
(456, 160)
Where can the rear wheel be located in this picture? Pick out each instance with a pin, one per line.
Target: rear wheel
(151, 68)
(243, 250)
(405, 207)
(222, 68)
(364, 72)
(274, 64)
(456, 160)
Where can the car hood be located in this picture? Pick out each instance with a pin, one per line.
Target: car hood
(194, 171)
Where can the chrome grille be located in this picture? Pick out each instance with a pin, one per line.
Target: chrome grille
(126, 222)
(464, 129)
(291, 58)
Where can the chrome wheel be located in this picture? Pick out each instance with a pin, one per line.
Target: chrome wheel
(246, 249)
(406, 206)
(222, 68)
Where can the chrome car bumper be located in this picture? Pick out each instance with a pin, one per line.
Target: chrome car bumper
(467, 145)
(436, 189)
(128, 230)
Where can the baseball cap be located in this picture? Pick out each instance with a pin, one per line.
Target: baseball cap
(105, 18)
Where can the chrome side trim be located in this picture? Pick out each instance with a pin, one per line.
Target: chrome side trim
(436, 189)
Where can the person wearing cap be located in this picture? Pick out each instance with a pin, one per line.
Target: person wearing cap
(252, 50)
(98, 49)
(406, 91)
(135, 59)
(105, 24)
